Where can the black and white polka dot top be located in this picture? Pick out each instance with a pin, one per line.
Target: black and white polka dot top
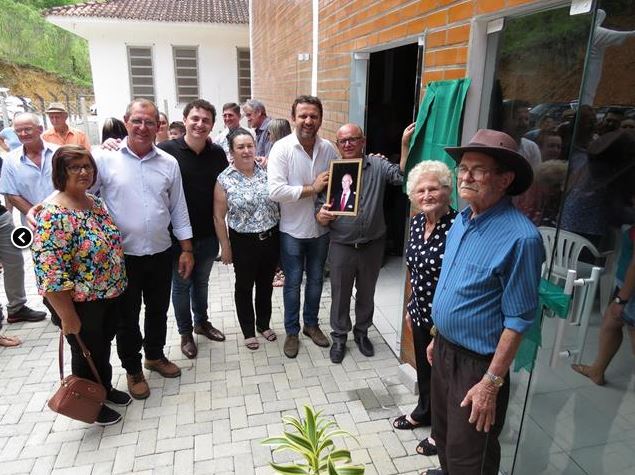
(423, 259)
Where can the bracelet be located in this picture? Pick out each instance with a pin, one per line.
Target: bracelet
(187, 250)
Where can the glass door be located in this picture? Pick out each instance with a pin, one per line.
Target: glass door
(579, 414)
(534, 70)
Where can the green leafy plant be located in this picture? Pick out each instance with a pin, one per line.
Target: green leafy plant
(313, 440)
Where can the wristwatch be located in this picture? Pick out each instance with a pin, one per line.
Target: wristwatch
(495, 380)
(433, 331)
(620, 301)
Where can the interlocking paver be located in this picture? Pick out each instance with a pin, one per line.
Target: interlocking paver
(212, 419)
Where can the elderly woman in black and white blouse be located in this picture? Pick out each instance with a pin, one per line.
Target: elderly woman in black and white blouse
(429, 188)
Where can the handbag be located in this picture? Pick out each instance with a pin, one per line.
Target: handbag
(78, 398)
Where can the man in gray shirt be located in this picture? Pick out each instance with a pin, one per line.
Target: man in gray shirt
(357, 243)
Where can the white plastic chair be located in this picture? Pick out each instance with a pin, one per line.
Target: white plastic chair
(568, 248)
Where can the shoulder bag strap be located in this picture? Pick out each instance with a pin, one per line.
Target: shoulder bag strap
(60, 358)
(86, 354)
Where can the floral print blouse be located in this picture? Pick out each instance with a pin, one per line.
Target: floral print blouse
(249, 209)
(80, 251)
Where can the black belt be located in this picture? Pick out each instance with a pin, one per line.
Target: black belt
(359, 245)
(263, 236)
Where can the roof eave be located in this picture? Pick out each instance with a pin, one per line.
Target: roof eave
(69, 22)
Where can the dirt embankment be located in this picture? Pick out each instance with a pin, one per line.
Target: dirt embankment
(34, 83)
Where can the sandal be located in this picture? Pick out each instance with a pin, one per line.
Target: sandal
(269, 334)
(278, 279)
(252, 343)
(7, 341)
(426, 448)
(402, 423)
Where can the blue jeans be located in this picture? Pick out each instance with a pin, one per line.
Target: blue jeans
(296, 254)
(194, 288)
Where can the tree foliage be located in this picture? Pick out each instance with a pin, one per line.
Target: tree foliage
(26, 38)
(43, 4)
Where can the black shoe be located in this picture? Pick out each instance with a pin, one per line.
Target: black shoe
(433, 471)
(107, 417)
(365, 346)
(118, 398)
(338, 349)
(26, 314)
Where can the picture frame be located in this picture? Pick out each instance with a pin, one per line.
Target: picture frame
(338, 170)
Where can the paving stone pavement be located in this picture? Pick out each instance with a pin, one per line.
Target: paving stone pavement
(210, 420)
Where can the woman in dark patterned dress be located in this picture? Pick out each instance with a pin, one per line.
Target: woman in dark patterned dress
(429, 189)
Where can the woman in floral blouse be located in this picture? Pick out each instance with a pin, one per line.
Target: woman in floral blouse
(79, 268)
(252, 241)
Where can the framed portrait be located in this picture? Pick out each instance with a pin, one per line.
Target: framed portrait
(345, 177)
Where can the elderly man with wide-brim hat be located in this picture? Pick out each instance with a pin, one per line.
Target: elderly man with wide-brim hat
(486, 298)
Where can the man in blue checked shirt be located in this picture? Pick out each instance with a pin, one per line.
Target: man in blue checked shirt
(485, 300)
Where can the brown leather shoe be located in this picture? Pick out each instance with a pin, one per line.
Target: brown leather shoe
(164, 367)
(316, 335)
(291, 346)
(137, 385)
(206, 329)
(188, 347)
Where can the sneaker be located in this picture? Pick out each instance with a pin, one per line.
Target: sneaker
(316, 335)
(164, 367)
(107, 417)
(26, 314)
(118, 398)
(137, 385)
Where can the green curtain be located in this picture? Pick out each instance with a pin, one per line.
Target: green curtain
(438, 124)
(552, 297)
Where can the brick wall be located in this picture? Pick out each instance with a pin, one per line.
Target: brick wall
(283, 29)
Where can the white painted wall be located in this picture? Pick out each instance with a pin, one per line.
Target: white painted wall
(108, 40)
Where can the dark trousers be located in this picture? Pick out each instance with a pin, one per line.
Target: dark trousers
(359, 266)
(423, 412)
(99, 323)
(149, 278)
(255, 262)
(462, 449)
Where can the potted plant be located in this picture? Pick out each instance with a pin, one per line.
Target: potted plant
(313, 440)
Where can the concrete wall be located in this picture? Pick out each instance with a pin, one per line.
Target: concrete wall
(108, 40)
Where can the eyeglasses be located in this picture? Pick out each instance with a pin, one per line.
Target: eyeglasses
(25, 130)
(77, 169)
(478, 173)
(140, 122)
(351, 140)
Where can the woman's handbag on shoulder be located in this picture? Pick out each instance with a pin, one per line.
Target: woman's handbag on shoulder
(78, 398)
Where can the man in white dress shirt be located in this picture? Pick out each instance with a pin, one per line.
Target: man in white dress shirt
(298, 172)
(141, 186)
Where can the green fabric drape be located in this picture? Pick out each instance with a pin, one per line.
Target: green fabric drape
(438, 124)
(554, 299)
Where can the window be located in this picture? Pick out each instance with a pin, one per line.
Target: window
(186, 73)
(141, 72)
(244, 75)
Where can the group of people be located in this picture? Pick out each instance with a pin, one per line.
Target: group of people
(143, 219)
